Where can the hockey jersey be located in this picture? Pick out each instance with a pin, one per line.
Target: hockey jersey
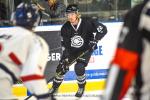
(132, 57)
(23, 55)
(76, 38)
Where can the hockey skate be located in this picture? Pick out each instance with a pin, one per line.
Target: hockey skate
(55, 86)
(80, 92)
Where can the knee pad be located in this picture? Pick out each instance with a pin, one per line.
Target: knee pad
(79, 69)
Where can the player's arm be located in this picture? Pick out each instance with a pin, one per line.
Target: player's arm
(100, 30)
(65, 42)
(32, 73)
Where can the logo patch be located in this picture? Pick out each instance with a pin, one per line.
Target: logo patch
(77, 41)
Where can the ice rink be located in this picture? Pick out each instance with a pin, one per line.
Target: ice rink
(95, 95)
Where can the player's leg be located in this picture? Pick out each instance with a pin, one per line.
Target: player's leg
(58, 78)
(81, 78)
(56, 83)
(80, 72)
(61, 70)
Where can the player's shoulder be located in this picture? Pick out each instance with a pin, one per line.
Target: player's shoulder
(15, 30)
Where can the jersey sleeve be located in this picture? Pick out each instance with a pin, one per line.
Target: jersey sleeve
(65, 40)
(100, 29)
(32, 73)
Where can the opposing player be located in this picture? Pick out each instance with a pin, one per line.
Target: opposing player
(23, 55)
(132, 58)
(77, 37)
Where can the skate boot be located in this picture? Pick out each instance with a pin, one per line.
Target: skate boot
(80, 90)
(56, 83)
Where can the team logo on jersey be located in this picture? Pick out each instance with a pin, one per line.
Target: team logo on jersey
(77, 41)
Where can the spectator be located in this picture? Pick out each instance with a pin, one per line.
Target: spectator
(56, 11)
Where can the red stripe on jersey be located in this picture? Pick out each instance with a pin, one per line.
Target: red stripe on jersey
(31, 78)
(14, 58)
(126, 59)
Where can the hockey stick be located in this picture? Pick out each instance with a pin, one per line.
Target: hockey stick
(27, 98)
(82, 54)
(69, 64)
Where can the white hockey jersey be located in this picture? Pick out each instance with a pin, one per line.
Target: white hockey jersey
(24, 55)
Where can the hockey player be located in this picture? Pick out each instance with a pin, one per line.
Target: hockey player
(77, 37)
(23, 55)
(132, 58)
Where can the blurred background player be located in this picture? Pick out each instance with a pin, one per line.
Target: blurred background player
(132, 58)
(77, 37)
(23, 54)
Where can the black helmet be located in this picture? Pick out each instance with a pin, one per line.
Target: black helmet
(72, 8)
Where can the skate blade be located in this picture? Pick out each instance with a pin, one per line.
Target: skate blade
(78, 98)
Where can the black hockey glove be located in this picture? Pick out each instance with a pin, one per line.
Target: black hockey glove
(93, 45)
(63, 67)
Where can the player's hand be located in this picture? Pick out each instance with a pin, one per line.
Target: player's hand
(63, 67)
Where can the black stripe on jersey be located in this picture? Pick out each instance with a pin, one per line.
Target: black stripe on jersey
(9, 72)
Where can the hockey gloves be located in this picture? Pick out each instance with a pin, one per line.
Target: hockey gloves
(63, 67)
(93, 45)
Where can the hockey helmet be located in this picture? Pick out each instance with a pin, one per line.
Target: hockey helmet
(26, 15)
(72, 8)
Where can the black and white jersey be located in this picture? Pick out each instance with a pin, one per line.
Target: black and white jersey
(76, 38)
(132, 57)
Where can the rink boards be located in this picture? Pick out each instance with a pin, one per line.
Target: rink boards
(97, 69)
